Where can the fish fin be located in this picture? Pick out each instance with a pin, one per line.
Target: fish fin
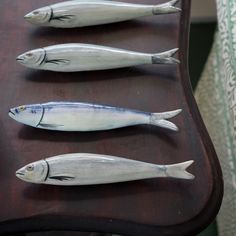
(166, 8)
(63, 177)
(166, 124)
(67, 18)
(58, 61)
(165, 57)
(179, 170)
(43, 125)
(159, 119)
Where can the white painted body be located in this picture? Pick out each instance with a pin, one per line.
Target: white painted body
(70, 14)
(97, 12)
(85, 57)
(88, 169)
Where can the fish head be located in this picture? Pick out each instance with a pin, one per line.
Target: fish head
(39, 16)
(35, 172)
(27, 114)
(33, 58)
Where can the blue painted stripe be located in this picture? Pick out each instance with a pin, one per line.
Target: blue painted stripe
(94, 106)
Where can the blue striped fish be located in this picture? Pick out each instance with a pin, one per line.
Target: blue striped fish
(77, 116)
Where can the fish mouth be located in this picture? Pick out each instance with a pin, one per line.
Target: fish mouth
(20, 59)
(19, 173)
(28, 16)
(11, 113)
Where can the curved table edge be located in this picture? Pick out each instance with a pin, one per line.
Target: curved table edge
(192, 227)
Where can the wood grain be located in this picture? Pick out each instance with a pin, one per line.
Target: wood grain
(149, 207)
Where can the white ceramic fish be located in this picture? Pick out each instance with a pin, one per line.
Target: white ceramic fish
(72, 116)
(85, 57)
(88, 169)
(81, 13)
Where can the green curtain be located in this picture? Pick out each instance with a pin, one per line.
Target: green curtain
(216, 98)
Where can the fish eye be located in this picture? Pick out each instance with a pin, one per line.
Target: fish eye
(36, 12)
(30, 168)
(29, 54)
(21, 108)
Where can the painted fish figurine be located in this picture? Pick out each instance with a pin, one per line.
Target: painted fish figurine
(86, 57)
(90, 169)
(72, 116)
(81, 13)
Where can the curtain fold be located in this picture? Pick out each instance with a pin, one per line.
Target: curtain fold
(216, 98)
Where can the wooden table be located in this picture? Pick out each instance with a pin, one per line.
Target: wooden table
(149, 207)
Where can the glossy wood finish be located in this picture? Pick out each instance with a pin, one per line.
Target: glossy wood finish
(149, 207)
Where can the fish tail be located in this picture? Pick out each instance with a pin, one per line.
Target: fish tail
(159, 119)
(179, 170)
(165, 57)
(166, 8)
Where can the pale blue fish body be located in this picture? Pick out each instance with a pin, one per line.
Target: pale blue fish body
(76, 116)
(88, 117)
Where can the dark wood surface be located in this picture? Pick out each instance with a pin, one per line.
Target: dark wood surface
(149, 207)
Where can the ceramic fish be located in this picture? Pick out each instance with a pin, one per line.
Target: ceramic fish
(88, 169)
(85, 57)
(81, 13)
(72, 116)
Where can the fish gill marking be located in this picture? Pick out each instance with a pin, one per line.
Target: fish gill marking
(44, 57)
(48, 170)
(46, 16)
(41, 118)
(54, 61)
(59, 18)
(61, 178)
(51, 14)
